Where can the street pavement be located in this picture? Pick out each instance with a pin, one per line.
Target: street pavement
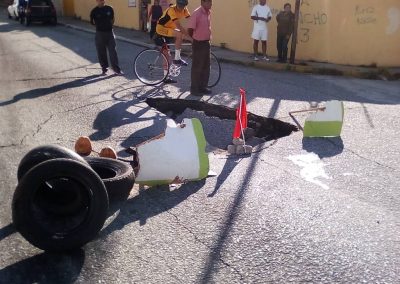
(297, 210)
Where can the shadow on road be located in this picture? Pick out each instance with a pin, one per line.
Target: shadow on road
(32, 94)
(7, 231)
(150, 202)
(119, 115)
(215, 256)
(45, 268)
(229, 166)
(324, 147)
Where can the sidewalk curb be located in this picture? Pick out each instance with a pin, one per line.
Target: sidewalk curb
(376, 74)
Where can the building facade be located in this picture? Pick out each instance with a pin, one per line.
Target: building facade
(351, 32)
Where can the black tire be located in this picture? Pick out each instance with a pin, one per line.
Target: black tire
(54, 21)
(21, 20)
(49, 230)
(215, 71)
(43, 153)
(149, 66)
(117, 176)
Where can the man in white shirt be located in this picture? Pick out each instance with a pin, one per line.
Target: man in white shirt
(261, 15)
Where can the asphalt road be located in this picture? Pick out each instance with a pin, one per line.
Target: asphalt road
(320, 210)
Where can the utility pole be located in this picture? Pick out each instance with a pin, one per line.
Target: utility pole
(294, 37)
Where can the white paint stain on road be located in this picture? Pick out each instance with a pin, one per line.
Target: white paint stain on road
(394, 20)
(312, 168)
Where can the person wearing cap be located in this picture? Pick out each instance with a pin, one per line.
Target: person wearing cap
(170, 28)
(199, 29)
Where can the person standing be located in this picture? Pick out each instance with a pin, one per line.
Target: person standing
(102, 16)
(285, 28)
(199, 29)
(143, 15)
(154, 14)
(261, 15)
(170, 28)
(165, 4)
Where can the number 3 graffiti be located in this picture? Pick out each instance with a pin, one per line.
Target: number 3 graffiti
(305, 35)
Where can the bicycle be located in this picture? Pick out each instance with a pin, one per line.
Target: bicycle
(151, 66)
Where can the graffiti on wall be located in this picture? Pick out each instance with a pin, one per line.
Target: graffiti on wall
(307, 21)
(365, 15)
(393, 15)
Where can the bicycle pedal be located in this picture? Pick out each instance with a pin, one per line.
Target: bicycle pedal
(174, 70)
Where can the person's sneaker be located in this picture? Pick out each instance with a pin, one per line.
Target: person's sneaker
(169, 80)
(256, 58)
(104, 71)
(180, 62)
(118, 72)
(265, 58)
(206, 91)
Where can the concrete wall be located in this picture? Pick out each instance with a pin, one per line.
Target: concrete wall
(127, 17)
(353, 32)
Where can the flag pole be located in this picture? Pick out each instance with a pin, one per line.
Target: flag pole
(240, 118)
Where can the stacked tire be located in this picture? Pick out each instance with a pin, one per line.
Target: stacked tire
(61, 200)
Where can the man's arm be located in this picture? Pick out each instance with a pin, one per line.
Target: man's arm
(254, 15)
(92, 18)
(192, 24)
(269, 17)
(112, 16)
(278, 16)
(261, 18)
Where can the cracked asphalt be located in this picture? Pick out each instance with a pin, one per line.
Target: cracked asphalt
(297, 210)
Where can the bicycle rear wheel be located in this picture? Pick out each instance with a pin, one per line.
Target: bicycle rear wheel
(149, 67)
(215, 71)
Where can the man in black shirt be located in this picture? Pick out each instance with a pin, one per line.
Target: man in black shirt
(102, 16)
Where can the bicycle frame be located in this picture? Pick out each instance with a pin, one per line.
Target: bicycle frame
(158, 70)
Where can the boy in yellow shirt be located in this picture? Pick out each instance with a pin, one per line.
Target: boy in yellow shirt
(170, 27)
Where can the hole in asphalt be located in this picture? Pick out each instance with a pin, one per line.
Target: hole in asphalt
(218, 121)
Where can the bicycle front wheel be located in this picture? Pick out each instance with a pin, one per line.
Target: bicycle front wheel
(215, 71)
(151, 67)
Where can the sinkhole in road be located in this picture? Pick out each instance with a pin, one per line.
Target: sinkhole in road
(218, 121)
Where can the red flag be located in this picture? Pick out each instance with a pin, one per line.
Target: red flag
(241, 115)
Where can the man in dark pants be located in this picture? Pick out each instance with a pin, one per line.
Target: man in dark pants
(102, 17)
(199, 29)
(285, 28)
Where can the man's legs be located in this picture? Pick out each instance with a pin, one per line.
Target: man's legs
(101, 48)
(111, 46)
(205, 73)
(200, 72)
(196, 68)
(285, 41)
(279, 47)
(264, 38)
(178, 45)
(264, 48)
(255, 48)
